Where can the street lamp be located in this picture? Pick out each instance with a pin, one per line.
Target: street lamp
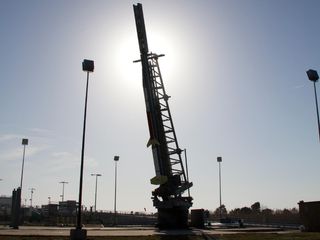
(79, 233)
(219, 160)
(95, 194)
(62, 195)
(116, 159)
(314, 77)
(16, 194)
(24, 143)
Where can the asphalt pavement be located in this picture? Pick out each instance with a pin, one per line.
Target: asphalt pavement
(128, 231)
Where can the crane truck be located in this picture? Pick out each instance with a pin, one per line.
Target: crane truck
(170, 175)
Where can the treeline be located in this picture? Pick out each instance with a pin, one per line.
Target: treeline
(256, 215)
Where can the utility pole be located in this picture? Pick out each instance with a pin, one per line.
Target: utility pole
(62, 195)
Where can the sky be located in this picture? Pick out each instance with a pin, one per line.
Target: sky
(236, 74)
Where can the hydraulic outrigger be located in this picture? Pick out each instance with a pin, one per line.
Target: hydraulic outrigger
(173, 208)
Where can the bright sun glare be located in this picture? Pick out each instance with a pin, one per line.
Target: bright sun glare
(128, 50)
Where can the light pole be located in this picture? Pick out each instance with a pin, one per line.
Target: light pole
(24, 143)
(32, 191)
(116, 159)
(219, 160)
(314, 77)
(79, 233)
(16, 194)
(96, 189)
(62, 195)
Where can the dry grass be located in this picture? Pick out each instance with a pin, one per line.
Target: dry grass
(270, 236)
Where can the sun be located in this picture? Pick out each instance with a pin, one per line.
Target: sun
(127, 50)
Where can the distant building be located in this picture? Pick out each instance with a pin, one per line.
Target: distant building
(310, 215)
(49, 210)
(67, 208)
(5, 205)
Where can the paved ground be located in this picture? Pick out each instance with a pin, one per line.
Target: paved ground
(127, 231)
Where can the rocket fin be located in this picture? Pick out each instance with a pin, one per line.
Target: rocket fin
(157, 180)
(152, 142)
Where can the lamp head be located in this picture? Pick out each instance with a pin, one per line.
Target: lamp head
(87, 65)
(24, 141)
(312, 75)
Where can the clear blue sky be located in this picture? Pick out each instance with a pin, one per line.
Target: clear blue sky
(236, 74)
